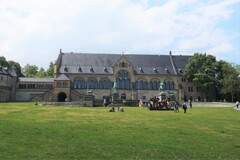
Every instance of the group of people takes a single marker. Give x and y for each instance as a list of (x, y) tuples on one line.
[(156, 103), (119, 109), (184, 106)]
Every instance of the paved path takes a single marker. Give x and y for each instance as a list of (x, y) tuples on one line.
[(215, 104), (212, 104)]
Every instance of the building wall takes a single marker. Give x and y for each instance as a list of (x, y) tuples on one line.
[(7, 87)]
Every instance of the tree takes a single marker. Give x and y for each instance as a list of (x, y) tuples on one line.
[(3, 62), (30, 70), (50, 71), (220, 65), (230, 81), (201, 70), (41, 73), (17, 67)]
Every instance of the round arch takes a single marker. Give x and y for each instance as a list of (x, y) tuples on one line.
[(62, 97)]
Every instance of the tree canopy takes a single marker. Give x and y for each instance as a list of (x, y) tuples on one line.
[(208, 73), (3, 62), (201, 70), (30, 70)]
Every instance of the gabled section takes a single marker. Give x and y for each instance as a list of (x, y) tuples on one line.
[(62, 77), (123, 62)]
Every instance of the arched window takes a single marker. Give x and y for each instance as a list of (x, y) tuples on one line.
[(123, 81), (150, 85), (122, 84), (96, 84), (88, 85), (100, 84), (83, 84), (75, 84), (145, 86), (141, 85), (168, 85), (91, 84), (127, 83), (122, 64), (122, 74), (78, 84), (137, 85), (118, 83), (172, 86), (104, 84), (155, 85), (158, 85), (109, 84)]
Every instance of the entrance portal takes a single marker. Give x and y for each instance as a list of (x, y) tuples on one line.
[(61, 97)]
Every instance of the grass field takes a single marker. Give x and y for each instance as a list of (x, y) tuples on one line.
[(36, 132)]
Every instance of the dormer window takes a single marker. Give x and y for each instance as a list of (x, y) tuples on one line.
[(166, 70), (123, 65), (180, 70), (155, 70), (65, 69), (141, 70), (105, 69), (79, 69), (91, 69)]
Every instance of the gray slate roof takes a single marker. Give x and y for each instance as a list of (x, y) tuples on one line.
[(43, 80), (103, 63)]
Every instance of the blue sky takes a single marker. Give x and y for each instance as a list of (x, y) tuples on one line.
[(33, 32)]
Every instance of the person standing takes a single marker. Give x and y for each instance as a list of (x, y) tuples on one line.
[(190, 103), (237, 104), (176, 107), (184, 107)]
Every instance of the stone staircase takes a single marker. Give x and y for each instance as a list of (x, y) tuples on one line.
[(44, 97)]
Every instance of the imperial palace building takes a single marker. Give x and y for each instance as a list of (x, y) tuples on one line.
[(137, 76)]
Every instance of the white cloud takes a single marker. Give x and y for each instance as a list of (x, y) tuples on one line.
[(34, 31)]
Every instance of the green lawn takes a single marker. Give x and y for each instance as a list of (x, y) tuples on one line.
[(36, 132)]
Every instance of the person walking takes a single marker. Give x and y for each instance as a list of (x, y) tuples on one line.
[(184, 107), (190, 103)]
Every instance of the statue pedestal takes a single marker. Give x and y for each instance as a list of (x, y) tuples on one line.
[(114, 98)]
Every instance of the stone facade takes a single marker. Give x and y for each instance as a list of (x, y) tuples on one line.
[(77, 74), (8, 80)]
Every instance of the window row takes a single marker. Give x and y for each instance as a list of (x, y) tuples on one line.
[(35, 86), (62, 85), (122, 74), (92, 84), (153, 85)]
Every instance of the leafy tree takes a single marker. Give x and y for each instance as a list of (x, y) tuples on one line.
[(50, 71), (219, 69), (231, 80), (201, 70), (30, 70), (3, 62), (17, 67), (41, 73)]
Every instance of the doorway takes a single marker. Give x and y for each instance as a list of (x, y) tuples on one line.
[(62, 97)]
